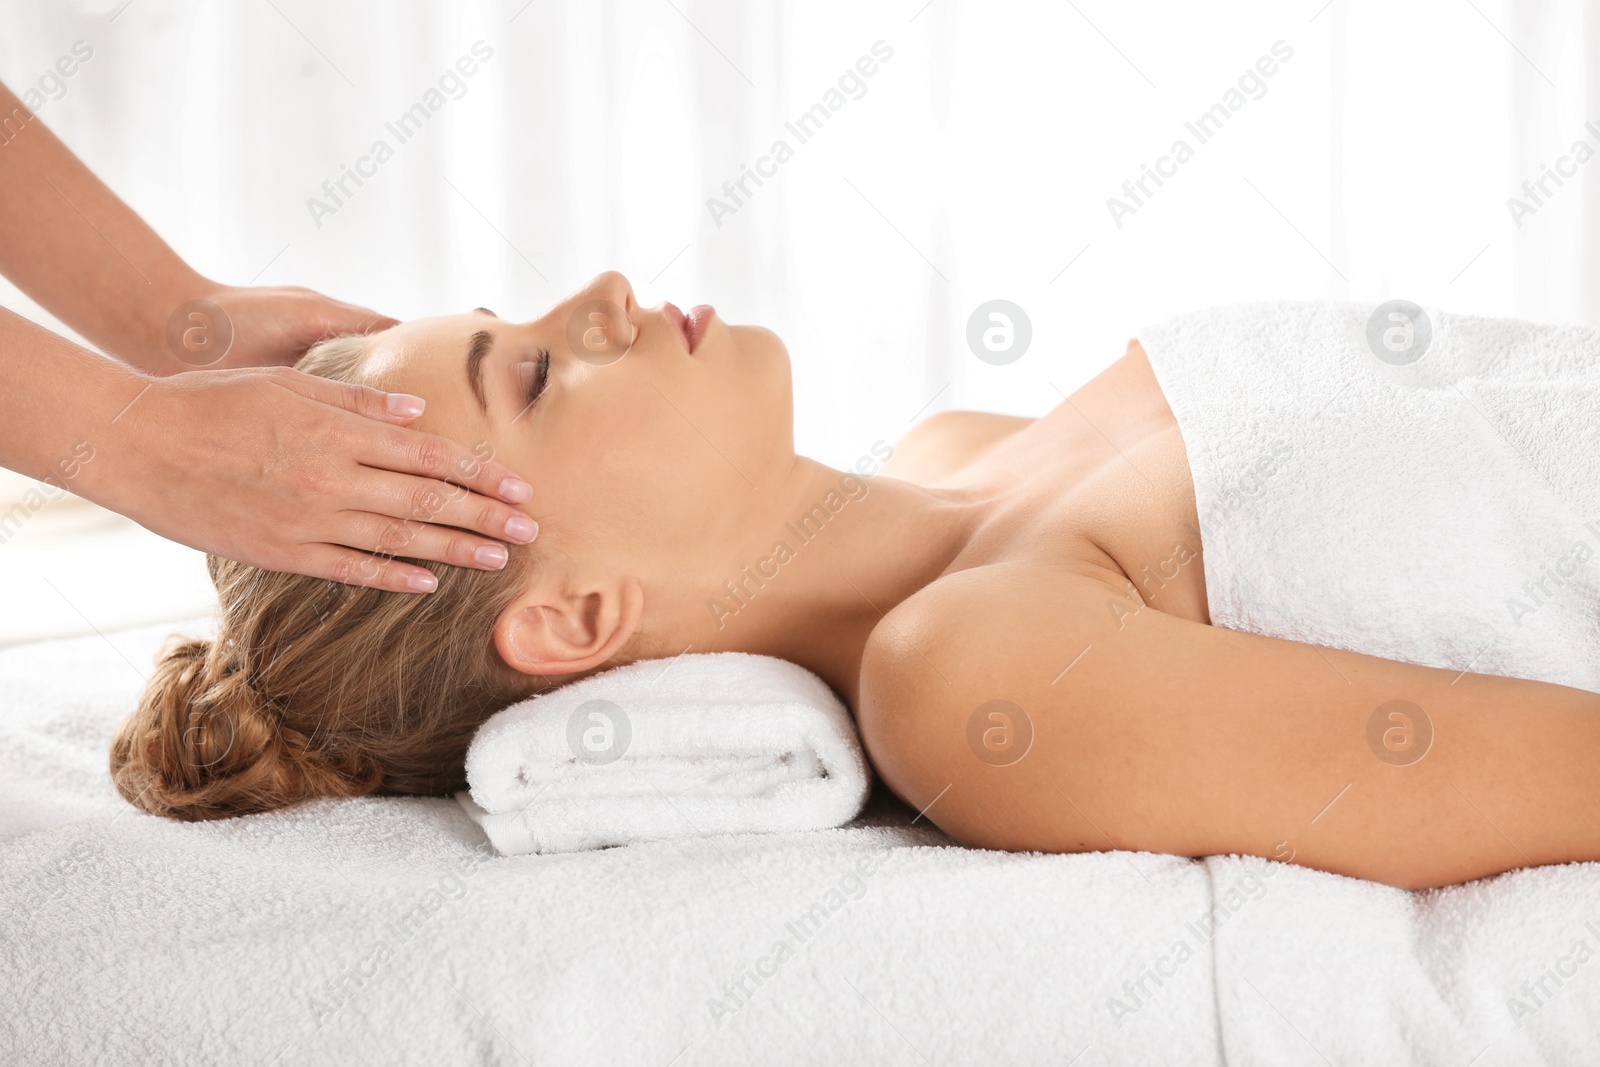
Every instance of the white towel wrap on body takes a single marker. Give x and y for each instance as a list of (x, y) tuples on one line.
[(1443, 511)]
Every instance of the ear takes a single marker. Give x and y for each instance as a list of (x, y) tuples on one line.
[(547, 632)]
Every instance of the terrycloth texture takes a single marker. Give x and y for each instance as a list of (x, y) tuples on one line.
[(717, 743), (385, 930), (1445, 512), (1501, 972)]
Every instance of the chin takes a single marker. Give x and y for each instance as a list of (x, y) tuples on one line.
[(761, 344), (765, 360), (758, 340)]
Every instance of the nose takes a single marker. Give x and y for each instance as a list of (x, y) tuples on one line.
[(611, 285), (598, 319)]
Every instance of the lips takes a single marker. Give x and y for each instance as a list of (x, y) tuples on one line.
[(694, 325), (700, 318)]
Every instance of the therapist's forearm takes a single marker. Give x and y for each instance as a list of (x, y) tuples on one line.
[(60, 406), (69, 243)]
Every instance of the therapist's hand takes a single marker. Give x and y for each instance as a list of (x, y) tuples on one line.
[(291, 472), (260, 326)]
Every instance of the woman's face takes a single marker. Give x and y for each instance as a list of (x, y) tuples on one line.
[(634, 444)]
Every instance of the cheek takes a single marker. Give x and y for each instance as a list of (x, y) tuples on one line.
[(633, 459)]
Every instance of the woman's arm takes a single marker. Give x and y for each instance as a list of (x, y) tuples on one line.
[(86, 257), (1152, 733)]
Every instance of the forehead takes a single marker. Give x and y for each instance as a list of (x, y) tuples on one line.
[(428, 358), (421, 351)]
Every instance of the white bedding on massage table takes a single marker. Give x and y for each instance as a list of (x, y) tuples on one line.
[(133, 939)]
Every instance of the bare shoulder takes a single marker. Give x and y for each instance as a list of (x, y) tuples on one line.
[(946, 441), (1027, 707), (1000, 633)]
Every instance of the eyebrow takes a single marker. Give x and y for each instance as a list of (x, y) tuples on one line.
[(485, 311), (482, 341)]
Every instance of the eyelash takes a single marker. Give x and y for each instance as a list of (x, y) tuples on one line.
[(541, 378)]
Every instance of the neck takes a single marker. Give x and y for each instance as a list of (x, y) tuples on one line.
[(818, 566)]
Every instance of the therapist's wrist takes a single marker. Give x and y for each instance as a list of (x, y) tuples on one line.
[(135, 437), (172, 324), (96, 434)]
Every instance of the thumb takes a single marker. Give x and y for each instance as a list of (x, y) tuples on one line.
[(398, 408), (340, 319)]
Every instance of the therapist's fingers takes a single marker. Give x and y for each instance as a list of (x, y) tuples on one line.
[(431, 456), (335, 318), (424, 540), (350, 567), (285, 472), (413, 452), (275, 325), (399, 498), (363, 400)]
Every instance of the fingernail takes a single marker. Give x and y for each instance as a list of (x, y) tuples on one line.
[(490, 556), (521, 529), (405, 405), (515, 491), (422, 583)]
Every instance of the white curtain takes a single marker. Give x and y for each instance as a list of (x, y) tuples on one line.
[(975, 162)]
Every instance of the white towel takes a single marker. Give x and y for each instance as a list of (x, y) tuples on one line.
[(385, 929), (702, 744), (1442, 511)]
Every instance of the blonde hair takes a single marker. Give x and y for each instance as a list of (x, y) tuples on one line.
[(315, 688)]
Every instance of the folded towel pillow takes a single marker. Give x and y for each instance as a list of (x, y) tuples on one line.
[(706, 743)]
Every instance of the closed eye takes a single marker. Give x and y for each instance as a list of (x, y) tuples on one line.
[(533, 375)]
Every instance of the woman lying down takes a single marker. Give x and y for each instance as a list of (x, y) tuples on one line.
[(1384, 664)]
